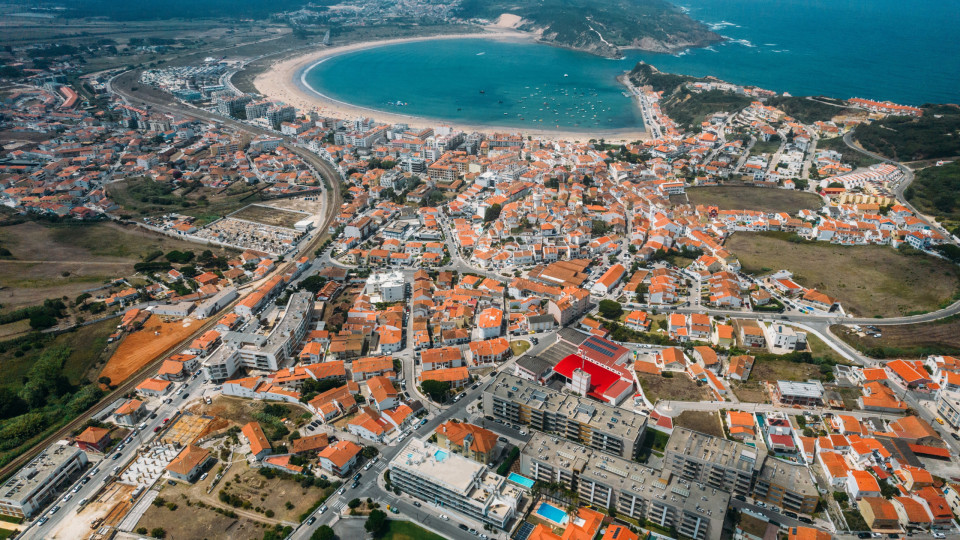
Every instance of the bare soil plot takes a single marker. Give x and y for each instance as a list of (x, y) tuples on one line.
[(269, 215), (676, 388), (145, 345), (144, 197), (907, 340), (868, 280), (187, 522), (750, 391), (703, 421), (753, 198), (782, 370)]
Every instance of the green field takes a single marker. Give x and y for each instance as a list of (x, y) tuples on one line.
[(406, 530), (868, 280), (753, 198)]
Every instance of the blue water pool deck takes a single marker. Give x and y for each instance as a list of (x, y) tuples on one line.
[(552, 513), (520, 480), (440, 455)]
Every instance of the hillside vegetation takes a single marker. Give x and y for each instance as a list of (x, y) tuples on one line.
[(600, 26), (936, 190), (685, 107), (934, 135)]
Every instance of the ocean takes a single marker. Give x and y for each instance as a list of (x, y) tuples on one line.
[(878, 49)]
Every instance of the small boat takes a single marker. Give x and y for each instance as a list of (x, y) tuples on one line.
[(565, 75), (483, 91)]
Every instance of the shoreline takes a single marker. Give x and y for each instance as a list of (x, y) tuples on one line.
[(284, 81)]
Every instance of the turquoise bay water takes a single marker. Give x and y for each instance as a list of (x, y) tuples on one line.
[(908, 52), (478, 81)]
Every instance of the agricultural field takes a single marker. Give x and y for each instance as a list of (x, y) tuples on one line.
[(56, 260), (269, 215), (906, 340), (753, 198), (869, 280), (676, 388)]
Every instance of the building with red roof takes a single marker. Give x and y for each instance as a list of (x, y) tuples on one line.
[(594, 380)]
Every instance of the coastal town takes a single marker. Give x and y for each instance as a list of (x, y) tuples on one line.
[(485, 333)]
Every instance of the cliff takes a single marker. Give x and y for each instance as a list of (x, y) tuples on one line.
[(601, 27)]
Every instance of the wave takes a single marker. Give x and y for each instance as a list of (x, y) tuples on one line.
[(721, 25), (710, 48), (744, 42)]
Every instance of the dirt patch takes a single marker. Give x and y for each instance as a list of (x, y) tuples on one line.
[(750, 392), (868, 280), (268, 215), (703, 421), (783, 370), (753, 198), (145, 345), (195, 522), (676, 388)]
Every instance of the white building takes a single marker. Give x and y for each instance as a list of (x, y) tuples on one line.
[(454, 482), (39, 482), (388, 286), (785, 337)]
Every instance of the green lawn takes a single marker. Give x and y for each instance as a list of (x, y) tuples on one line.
[(405, 530), (519, 347)]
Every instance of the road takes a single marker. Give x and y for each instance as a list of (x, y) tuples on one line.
[(901, 187), (101, 468)]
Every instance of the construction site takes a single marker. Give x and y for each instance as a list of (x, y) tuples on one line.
[(145, 345)]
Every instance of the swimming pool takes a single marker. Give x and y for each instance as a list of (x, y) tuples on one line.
[(440, 455), (552, 513), (520, 480)]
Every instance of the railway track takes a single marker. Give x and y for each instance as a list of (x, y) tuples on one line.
[(334, 201)]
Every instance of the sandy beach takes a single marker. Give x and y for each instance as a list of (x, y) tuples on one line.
[(284, 82)]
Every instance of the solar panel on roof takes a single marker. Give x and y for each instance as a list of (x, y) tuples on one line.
[(599, 348)]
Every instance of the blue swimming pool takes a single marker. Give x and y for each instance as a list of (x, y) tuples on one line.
[(440, 455), (520, 480), (552, 513)]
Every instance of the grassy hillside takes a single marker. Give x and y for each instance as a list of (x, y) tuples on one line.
[(686, 108), (936, 190), (810, 109), (934, 135), (655, 25)]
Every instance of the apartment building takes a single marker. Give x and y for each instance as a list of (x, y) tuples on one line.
[(696, 511), (39, 483), (787, 485), (267, 352), (726, 465), (597, 425), (454, 482)]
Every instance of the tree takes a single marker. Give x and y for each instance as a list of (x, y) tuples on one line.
[(354, 503), (491, 213), (313, 283), (376, 523), (610, 309), (370, 452), (437, 390), (324, 532), (158, 532)]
